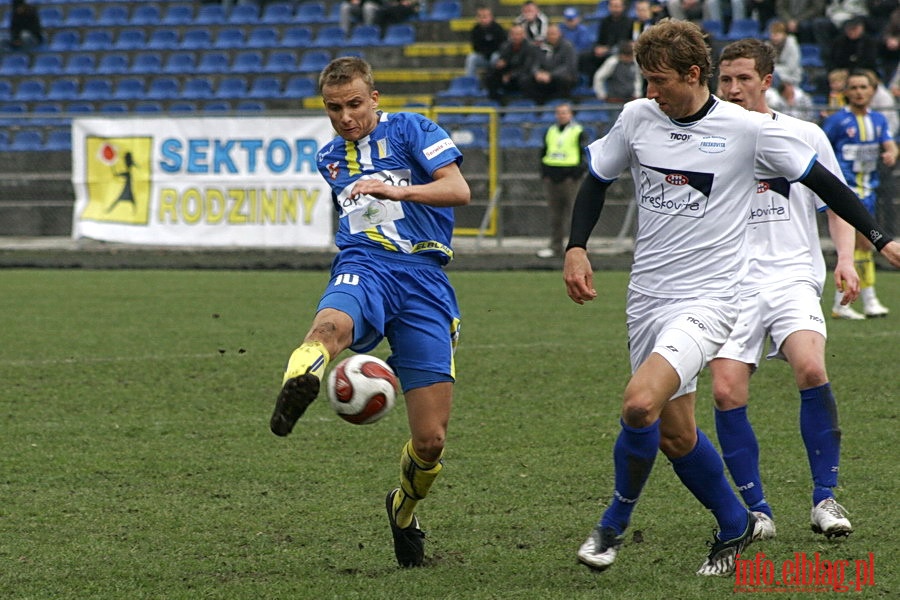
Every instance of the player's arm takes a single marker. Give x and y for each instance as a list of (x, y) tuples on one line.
[(889, 153), (846, 279), (577, 271), (844, 202), (449, 188)]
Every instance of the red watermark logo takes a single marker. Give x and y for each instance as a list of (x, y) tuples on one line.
[(803, 574)]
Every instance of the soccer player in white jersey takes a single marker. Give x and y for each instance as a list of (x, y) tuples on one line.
[(395, 179), (781, 298), (695, 161)]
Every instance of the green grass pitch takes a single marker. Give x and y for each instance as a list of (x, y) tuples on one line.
[(136, 461)]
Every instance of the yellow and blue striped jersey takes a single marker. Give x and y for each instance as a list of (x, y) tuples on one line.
[(857, 144)]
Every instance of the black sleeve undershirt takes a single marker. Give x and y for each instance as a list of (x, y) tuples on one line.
[(844, 203), (586, 210)]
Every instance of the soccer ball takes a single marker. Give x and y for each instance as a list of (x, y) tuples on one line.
[(362, 389)]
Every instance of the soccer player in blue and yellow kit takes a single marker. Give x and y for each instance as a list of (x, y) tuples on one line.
[(395, 179), (861, 137)]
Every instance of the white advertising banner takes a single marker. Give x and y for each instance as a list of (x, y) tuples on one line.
[(210, 181)]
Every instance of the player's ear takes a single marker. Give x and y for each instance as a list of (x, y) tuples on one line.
[(374, 97)]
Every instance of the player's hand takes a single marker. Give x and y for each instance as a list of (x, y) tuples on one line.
[(889, 158), (579, 276), (374, 188), (846, 279), (891, 252)]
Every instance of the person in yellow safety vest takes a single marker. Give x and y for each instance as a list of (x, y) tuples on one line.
[(563, 163)]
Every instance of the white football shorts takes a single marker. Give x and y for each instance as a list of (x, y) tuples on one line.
[(775, 312), (686, 332)]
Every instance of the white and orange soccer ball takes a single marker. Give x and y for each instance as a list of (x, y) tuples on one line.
[(362, 389)]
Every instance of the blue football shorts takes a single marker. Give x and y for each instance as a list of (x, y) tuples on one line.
[(406, 299)]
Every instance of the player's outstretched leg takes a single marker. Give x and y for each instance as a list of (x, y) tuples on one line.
[(299, 387)]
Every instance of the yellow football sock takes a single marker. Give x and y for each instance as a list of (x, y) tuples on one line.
[(416, 477), (865, 267), (310, 355)]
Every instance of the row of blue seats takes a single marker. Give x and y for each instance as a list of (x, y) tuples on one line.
[(275, 13), (174, 63), (163, 38), (158, 88), (34, 140)]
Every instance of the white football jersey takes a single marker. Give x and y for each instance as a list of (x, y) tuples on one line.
[(783, 238), (693, 186)]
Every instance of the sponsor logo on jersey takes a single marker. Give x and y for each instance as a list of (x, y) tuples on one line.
[(333, 169), (676, 179), (681, 137), (437, 148), (712, 144)]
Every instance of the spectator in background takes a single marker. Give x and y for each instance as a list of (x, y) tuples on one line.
[(883, 102), (644, 17), (358, 11), (805, 19), (534, 21), (889, 45), (614, 28), (788, 97), (575, 31), (515, 63), (396, 11), (557, 69), (787, 51), (695, 10), (765, 11), (619, 79), (854, 48), (486, 37), (24, 20), (563, 164), (837, 80)]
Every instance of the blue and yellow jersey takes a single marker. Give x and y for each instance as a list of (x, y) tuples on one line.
[(404, 149), (857, 144)]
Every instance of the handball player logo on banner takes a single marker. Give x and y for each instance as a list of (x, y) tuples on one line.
[(118, 180)]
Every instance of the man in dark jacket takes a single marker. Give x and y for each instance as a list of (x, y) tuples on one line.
[(25, 18), (514, 66), (486, 37), (557, 71)]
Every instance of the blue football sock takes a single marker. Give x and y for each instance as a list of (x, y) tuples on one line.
[(740, 450), (633, 456), (822, 438), (701, 471)]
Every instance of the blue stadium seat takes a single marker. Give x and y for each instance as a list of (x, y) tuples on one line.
[(197, 88), (399, 34), (80, 64), (46, 114), (131, 39), (79, 108), (443, 10), (15, 64), (113, 108), (30, 90), (329, 36), (163, 88), (113, 64), (113, 15), (214, 62), (147, 14), (26, 140), (210, 14), (462, 86), (314, 61), (262, 37), (250, 106), (66, 40), (280, 61), (58, 140), (63, 90), (277, 13), (196, 39), (97, 40), (148, 107), (183, 106), (6, 89), (216, 106), (163, 38), (811, 56), (178, 14), (743, 28), (47, 64), (96, 89), (129, 88), (313, 12), (364, 35), (180, 62), (232, 88), (11, 113), (512, 136), (80, 16), (297, 37), (714, 27), (244, 14), (51, 16), (299, 87), (470, 136), (265, 88), (250, 61), (146, 63), (230, 37)]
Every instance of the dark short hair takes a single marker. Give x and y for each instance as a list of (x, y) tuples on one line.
[(676, 45), (762, 53)]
